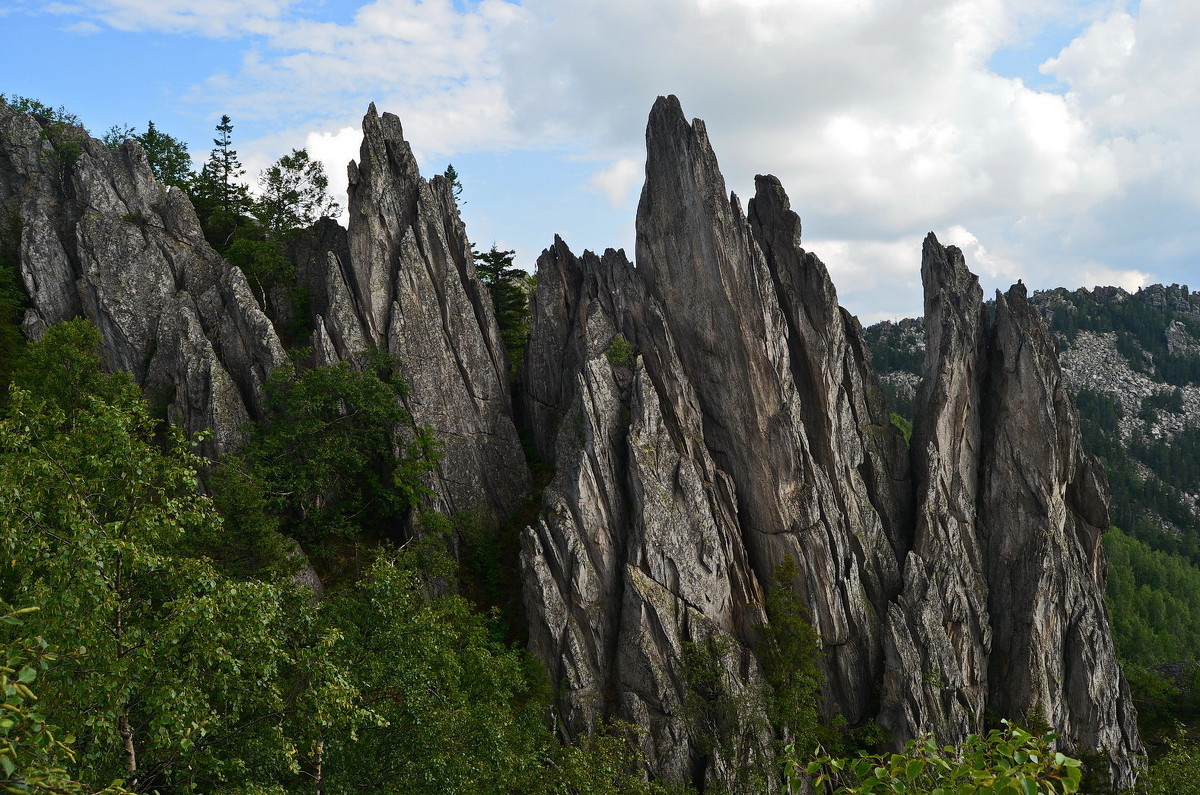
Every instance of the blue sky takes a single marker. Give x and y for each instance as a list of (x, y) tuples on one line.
[(1052, 140)]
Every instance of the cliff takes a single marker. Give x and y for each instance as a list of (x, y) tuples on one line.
[(709, 412)]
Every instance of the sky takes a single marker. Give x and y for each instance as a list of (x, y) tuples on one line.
[(1054, 141)]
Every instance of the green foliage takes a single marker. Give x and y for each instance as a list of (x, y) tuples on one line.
[(456, 188), (789, 649), (620, 352), (60, 127), (13, 299), (161, 646), (178, 671), (508, 287), (325, 458), (1153, 602), (59, 115), (220, 197), (721, 716), (1008, 761), (34, 755), (168, 156), (295, 193), (443, 694), (1175, 772), (904, 425)]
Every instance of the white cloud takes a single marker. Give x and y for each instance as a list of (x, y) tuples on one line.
[(882, 119), (83, 28), (218, 18), (618, 182), (1096, 275)]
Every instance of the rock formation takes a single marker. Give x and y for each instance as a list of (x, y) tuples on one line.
[(708, 413), (929, 594), (1043, 506), (101, 238), (410, 284), (937, 633)]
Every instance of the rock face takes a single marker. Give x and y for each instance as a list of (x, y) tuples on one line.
[(409, 287), (937, 633), (713, 411), (747, 427), (1002, 607), (101, 238), (1043, 507), (709, 414)]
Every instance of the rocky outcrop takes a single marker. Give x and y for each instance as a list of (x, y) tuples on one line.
[(713, 411), (937, 632), (1043, 507), (101, 238), (413, 280), (709, 413), (781, 391), (637, 555)]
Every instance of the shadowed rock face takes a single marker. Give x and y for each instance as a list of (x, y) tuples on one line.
[(781, 393), (101, 238), (1043, 507), (937, 633), (749, 426)]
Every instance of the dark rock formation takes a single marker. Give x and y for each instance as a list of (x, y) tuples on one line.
[(637, 552), (746, 426), (937, 633), (1043, 506), (101, 238), (781, 394), (414, 289)]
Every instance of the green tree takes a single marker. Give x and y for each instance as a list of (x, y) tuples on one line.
[(34, 754), (326, 456), (451, 175), (59, 115), (221, 198), (295, 193), (790, 651), (175, 675), (1008, 761), (168, 156), (508, 287)]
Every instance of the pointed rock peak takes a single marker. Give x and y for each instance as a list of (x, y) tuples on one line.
[(944, 268), (385, 127), (670, 139), (771, 208), (1018, 295), (667, 113)]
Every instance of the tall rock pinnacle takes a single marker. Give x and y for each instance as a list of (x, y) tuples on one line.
[(1043, 507), (412, 277), (795, 451), (713, 411)]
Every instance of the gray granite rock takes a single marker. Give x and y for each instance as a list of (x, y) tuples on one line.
[(101, 238)]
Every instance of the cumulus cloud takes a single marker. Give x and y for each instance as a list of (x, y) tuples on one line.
[(618, 181), (882, 119), (1096, 275)]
